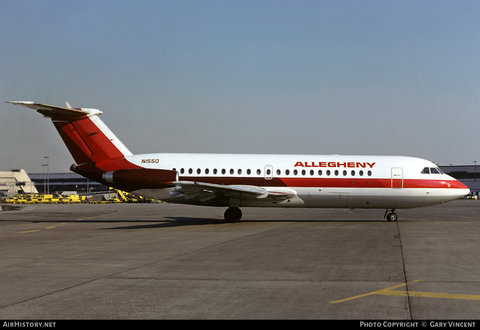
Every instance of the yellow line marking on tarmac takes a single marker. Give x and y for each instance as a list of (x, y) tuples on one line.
[(391, 292), (96, 216), (31, 231), (28, 231), (433, 295), (372, 293), (64, 223)]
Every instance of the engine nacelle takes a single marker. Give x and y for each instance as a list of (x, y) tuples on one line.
[(142, 178)]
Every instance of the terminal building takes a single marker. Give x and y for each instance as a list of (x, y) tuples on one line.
[(60, 182), (16, 182), (19, 182)]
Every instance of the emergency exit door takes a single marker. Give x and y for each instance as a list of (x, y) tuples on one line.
[(268, 172)]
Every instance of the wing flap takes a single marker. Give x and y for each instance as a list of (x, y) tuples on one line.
[(191, 189)]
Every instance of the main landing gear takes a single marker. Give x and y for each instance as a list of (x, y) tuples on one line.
[(392, 216), (232, 214)]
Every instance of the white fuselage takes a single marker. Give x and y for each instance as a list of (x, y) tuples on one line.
[(321, 181), (335, 181)]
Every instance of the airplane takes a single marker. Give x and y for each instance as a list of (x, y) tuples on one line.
[(249, 180)]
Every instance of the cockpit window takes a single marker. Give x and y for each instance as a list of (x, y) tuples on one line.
[(436, 170), (432, 170)]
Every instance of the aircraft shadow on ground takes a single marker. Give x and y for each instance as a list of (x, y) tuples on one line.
[(188, 221)]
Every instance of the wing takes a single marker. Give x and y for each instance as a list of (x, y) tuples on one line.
[(208, 193)]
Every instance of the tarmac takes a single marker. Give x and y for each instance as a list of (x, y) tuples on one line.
[(166, 261)]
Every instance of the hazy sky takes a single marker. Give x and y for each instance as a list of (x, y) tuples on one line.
[(305, 77)]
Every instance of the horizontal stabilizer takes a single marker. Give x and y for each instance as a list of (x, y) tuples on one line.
[(54, 111)]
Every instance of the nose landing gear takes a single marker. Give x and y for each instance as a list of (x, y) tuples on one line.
[(392, 216)]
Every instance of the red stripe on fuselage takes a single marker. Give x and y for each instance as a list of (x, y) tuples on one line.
[(328, 182), (371, 183)]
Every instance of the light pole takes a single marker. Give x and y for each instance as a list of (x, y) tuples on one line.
[(44, 179), (48, 175), (475, 169)]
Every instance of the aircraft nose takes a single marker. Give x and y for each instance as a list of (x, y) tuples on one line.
[(462, 188)]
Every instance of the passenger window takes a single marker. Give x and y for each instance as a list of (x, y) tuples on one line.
[(182, 171), (287, 172), (295, 172), (232, 171), (199, 171), (215, 171), (320, 172), (223, 171), (259, 172), (239, 171), (328, 172), (303, 172), (344, 173), (312, 172), (190, 171), (361, 173), (279, 172), (249, 172), (207, 171), (353, 173), (369, 173), (336, 172)]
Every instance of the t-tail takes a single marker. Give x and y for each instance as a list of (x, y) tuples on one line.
[(99, 155)]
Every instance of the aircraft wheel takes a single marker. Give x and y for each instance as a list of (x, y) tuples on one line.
[(233, 214), (392, 217)]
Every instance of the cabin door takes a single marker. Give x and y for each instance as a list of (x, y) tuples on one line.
[(397, 177)]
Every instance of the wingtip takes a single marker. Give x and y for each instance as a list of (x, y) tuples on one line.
[(20, 102)]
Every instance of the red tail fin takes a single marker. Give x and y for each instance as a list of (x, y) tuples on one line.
[(87, 138)]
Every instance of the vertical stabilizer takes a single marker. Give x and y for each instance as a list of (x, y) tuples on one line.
[(87, 138)]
